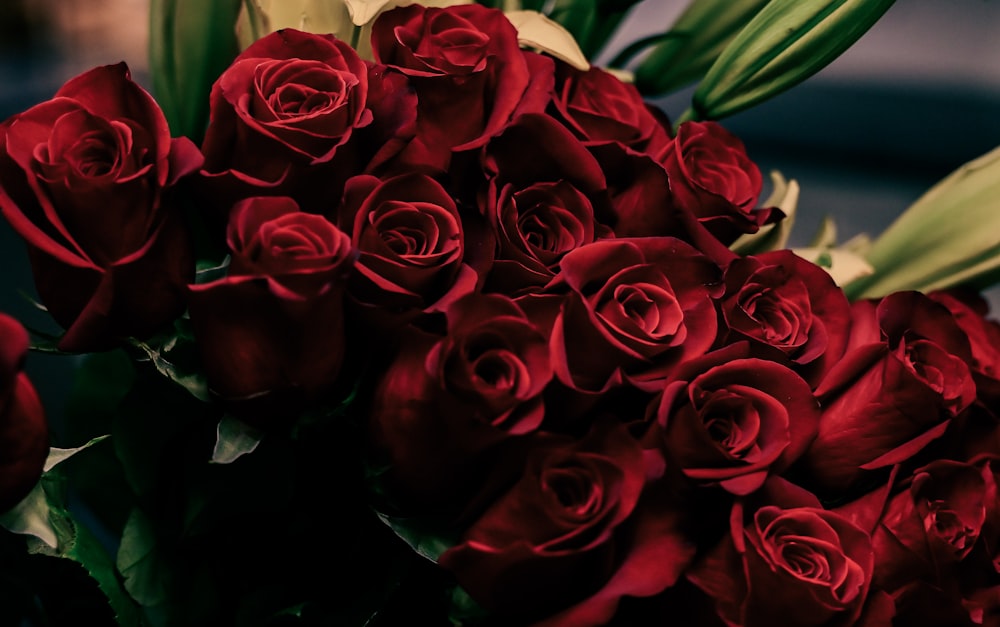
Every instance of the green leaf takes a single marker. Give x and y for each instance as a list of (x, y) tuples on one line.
[(426, 537), (234, 438), (161, 355), (142, 562), (59, 455)]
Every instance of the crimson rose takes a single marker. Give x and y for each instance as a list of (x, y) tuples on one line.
[(271, 334), (788, 307), (712, 177), (83, 179), (633, 310), (730, 421), (24, 433), (787, 561), (572, 536), (470, 75), (282, 114), (903, 379)]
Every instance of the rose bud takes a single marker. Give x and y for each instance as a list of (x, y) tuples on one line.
[(787, 561), (445, 402), (412, 247), (573, 535), (896, 390), (83, 179), (789, 309), (24, 433), (271, 333), (712, 177), (731, 421), (281, 118), (470, 75), (633, 310)]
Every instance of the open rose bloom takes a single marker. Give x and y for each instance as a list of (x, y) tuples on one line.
[(452, 329)]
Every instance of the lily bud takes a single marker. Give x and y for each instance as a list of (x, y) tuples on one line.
[(949, 236), (685, 52), (785, 43)]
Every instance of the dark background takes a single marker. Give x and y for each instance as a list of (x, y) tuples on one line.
[(918, 96)]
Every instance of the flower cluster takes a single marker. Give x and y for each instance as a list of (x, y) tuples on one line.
[(563, 368)]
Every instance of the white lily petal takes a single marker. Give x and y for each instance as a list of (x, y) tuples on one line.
[(625, 76), (785, 196), (534, 30), (362, 11), (844, 266)]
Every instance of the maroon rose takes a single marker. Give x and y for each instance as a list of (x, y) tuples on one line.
[(470, 75), (83, 179), (933, 524), (545, 196), (24, 433), (896, 390), (412, 246), (281, 116), (599, 108), (787, 561), (731, 421), (970, 311), (712, 177), (633, 310), (572, 536), (446, 403), (271, 334), (789, 307)]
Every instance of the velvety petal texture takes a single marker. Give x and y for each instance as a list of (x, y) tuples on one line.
[(85, 179)]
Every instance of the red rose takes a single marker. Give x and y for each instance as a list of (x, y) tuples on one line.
[(787, 561), (970, 311), (271, 334), (712, 177), (572, 536), (281, 115), (600, 108), (634, 309), (931, 526), (789, 307), (895, 391), (544, 197), (82, 180), (445, 402), (411, 243), (470, 74), (24, 433), (730, 421)]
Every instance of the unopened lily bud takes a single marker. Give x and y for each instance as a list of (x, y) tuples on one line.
[(685, 52), (950, 236), (785, 43)]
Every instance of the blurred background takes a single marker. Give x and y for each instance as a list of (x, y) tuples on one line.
[(915, 98)]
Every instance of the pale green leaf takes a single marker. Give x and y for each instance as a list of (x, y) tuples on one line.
[(31, 517), (234, 439), (844, 266), (58, 455), (785, 196)]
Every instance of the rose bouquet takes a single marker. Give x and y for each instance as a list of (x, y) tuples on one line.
[(434, 322)]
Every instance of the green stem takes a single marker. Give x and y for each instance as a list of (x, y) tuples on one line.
[(355, 36)]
